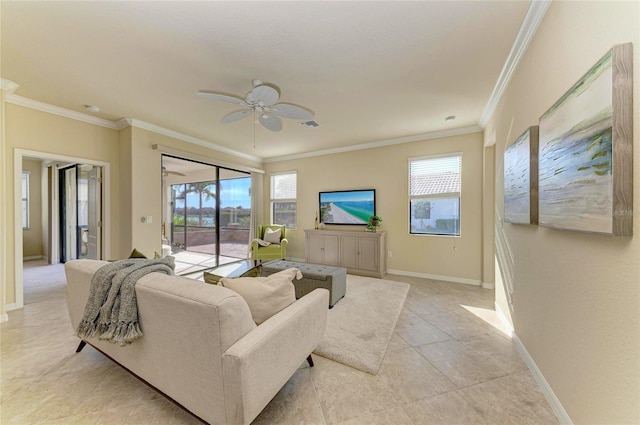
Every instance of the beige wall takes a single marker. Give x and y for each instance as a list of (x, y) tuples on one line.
[(576, 296), (33, 130), (145, 195), (386, 170), (135, 175), (124, 217), (4, 212), (488, 213), (32, 242)]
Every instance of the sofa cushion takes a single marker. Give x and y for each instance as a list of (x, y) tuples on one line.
[(272, 236), (265, 295)]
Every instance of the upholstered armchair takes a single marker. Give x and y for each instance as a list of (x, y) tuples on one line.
[(277, 250)]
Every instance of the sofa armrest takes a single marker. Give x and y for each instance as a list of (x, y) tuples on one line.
[(257, 366), (283, 243)]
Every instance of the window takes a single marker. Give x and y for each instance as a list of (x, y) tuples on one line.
[(283, 199), (25, 199), (434, 195)]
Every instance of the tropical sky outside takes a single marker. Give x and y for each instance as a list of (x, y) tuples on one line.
[(233, 193)]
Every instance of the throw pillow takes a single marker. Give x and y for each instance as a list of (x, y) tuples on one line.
[(136, 254), (265, 295), (214, 279), (272, 236)]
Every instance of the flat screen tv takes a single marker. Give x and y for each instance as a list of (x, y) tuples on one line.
[(347, 206)]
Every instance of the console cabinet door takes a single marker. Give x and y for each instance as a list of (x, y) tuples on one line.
[(315, 249), (323, 249), (331, 250), (359, 252), (368, 254), (349, 252)]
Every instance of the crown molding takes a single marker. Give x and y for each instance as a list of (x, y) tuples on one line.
[(123, 123), (118, 125), (8, 86), (380, 143), (57, 110), (133, 122), (530, 24)]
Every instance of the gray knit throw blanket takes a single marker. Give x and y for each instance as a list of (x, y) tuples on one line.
[(111, 313)]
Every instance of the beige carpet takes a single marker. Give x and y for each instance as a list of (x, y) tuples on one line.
[(359, 326)]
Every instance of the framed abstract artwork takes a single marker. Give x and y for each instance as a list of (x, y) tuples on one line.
[(585, 151), (521, 179)]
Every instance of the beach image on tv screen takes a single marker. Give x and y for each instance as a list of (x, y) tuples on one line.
[(346, 207)]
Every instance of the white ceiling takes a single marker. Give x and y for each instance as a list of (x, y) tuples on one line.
[(370, 71)]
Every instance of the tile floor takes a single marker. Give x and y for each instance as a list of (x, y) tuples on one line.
[(448, 363), (201, 257)]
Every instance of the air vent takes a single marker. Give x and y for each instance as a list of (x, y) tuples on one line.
[(310, 124)]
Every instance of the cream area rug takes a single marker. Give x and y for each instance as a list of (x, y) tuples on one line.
[(360, 325)]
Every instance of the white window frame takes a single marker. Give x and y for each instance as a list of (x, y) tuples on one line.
[(273, 200), (25, 199), (439, 195)]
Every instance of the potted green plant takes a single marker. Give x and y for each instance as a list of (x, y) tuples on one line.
[(374, 223)]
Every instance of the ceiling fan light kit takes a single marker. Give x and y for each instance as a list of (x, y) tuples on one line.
[(261, 101)]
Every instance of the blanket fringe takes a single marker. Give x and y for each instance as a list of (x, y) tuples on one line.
[(106, 331), (86, 329), (126, 333), (111, 312)]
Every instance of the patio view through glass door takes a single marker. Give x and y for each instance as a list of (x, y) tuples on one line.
[(207, 214)]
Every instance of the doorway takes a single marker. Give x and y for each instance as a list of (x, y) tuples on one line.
[(206, 214), (51, 235)]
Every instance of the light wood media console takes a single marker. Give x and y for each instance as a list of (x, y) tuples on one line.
[(361, 253)]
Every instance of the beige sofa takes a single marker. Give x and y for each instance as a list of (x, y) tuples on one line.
[(200, 346)]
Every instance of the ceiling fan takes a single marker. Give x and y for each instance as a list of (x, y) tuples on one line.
[(261, 101)]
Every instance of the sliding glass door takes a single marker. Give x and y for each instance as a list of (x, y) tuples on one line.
[(235, 214), (80, 195), (207, 214)]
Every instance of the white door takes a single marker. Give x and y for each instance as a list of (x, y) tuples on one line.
[(94, 224)]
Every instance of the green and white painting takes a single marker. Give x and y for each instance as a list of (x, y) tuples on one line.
[(521, 179), (575, 156)]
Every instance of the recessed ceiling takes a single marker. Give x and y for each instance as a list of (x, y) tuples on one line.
[(370, 71)]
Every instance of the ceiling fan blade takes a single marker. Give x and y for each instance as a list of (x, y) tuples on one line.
[(265, 94), (175, 173), (221, 96), (287, 110), (271, 122), (236, 116), (166, 172)]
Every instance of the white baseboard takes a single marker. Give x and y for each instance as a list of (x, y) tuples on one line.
[(11, 307), (504, 319), (554, 402), (436, 277), (33, 257), (488, 285), (4, 318)]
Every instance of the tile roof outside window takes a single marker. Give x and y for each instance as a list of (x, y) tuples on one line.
[(429, 184)]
